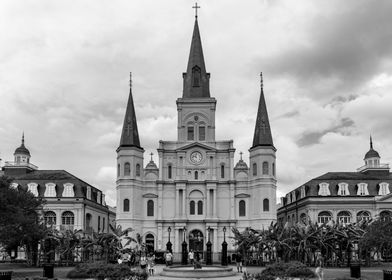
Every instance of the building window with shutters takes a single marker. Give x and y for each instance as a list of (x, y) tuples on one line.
[(343, 189), (362, 189)]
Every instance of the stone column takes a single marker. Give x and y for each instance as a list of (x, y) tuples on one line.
[(177, 203), (176, 240), (214, 203), (208, 204), (183, 203)]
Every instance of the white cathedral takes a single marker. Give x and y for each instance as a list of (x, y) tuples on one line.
[(197, 193)]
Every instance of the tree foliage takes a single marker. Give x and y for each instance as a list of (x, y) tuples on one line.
[(20, 220)]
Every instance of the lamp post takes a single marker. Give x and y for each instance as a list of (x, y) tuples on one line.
[(355, 264), (169, 244), (224, 248), (184, 259), (209, 251)]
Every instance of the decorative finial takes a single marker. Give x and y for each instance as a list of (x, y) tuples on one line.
[(261, 80), (196, 7), (23, 138), (371, 142), (130, 79), (151, 155), (241, 155)]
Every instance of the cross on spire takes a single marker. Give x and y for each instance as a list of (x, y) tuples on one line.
[(151, 155), (196, 7), (241, 155)]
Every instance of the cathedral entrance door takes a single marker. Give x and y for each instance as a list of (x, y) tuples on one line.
[(196, 243)]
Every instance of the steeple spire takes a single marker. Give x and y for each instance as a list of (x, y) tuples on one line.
[(23, 138), (371, 142), (262, 135), (196, 78), (130, 135)]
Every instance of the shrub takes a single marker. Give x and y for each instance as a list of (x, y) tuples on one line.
[(291, 269), (112, 271)]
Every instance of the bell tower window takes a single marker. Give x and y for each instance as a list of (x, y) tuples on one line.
[(191, 132), (196, 76), (202, 133)]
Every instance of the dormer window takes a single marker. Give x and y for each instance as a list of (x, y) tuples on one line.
[(384, 189), (68, 190), (33, 188), (88, 194), (196, 76), (324, 189), (50, 190), (98, 197), (303, 192), (362, 189), (343, 189)]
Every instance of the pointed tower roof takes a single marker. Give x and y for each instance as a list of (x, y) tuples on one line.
[(196, 78), (263, 135), (130, 135), (371, 153), (22, 149)]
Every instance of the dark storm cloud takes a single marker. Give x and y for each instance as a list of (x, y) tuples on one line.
[(345, 48), (311, 138)]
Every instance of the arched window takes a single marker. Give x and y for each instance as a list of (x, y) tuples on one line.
[(126, 205), (344, 217), (324, 217), (363, 216), (196, 76), (169, 171), (242, 210), (68, 190), (196, 175), (118, 170), (150, 208), (192, 208), (150, 242), (385, 215), (50, 218), (88, 222), (222, 171), (265, 168), (67, 218), (266, 205), (138, 170), (273, 169), (200, 207), (254, 169), (127, 169)]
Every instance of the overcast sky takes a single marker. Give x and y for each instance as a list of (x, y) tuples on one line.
[(327, 67)]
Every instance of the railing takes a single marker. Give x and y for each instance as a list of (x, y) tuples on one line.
[(373, 167), (12, 163)]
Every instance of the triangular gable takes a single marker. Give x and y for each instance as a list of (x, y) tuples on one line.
[(242, 195), (196, 144)]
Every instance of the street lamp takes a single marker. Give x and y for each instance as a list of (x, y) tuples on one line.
[(169, 244), (224, 248), (209, 251), (184, 260)]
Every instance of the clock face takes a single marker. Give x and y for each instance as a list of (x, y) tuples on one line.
[(196, 157)]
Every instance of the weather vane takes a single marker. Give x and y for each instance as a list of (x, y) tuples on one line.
[(196, 7)]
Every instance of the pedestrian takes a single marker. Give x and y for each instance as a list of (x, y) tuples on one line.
[(143, 262), (319, 270), (191, 256), (151, 263), (238, 260), (168, 258)]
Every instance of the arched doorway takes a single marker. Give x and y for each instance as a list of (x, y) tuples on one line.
[(150, 243), (196, 243)]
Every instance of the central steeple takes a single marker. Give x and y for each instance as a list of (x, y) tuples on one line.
[(196, 78)]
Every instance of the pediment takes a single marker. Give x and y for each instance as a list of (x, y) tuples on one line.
[(242, 195), (150, 195), (196, 144)]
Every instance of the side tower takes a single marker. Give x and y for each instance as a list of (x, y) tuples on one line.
[(262, 177), (129, 172)]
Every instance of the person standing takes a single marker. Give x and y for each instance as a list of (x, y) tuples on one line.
[(151, 263), (168, 258), (238, 260), (191, 256)]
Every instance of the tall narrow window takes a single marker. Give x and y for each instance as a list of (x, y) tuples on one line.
[(118, 170), (192, 208), (196, 175), (242, 210), (126, 205), (169, 171), (254, 169), (99, 223), (202, 133), (222, 171), (273, 169), (200, 207), (103, 224), (362, 189), (127, 169), (265, 168), (266, 205), (191, 133), (196, 76), (150, 208), (138, 170)]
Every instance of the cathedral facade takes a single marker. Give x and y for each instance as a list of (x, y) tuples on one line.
[(197, 194)]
